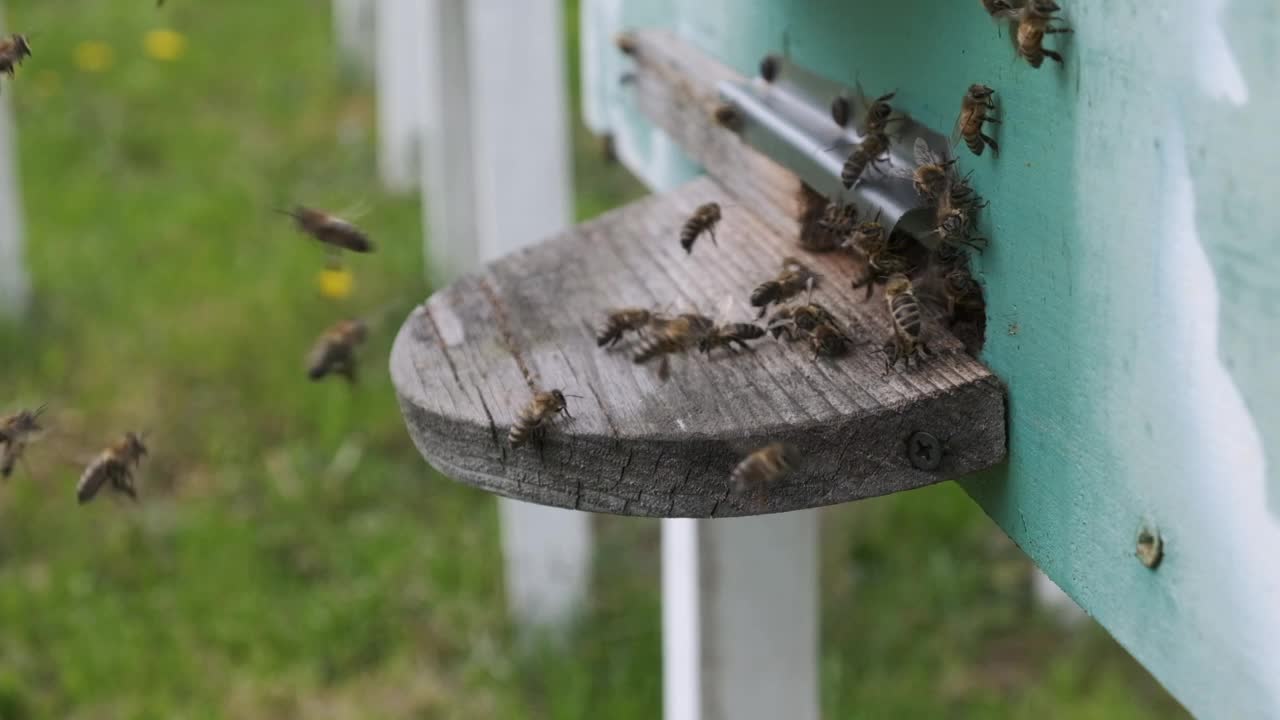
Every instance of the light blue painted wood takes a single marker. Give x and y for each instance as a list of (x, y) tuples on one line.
[(1134, 305)]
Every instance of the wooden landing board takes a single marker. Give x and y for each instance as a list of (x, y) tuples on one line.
[(465, 362)]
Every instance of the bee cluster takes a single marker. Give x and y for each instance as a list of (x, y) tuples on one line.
[(921, 276), (334, 352)]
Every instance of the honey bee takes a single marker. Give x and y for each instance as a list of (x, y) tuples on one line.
[(828, 340), (879, 113), (961, 292), (769, 67), (624, 320), (824, 224), (760, 469), (534, 417), (16, 432), (974, 111), (904, 311), (330, 230), (841, 111), (13, 50), (335, 351), (798, 321), (933, 176), (870, 239), (795, 278), (626, 43), (704, 219), (1034, 22), (839, 219), (115, 466), (674, 336), (872, 151), (998, 8), (727, 116), (727, 336)]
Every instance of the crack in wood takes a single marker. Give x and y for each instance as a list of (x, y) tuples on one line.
[(444, 347), (493, 427), (504, 331)]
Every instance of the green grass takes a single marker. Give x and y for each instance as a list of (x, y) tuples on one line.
[(292, 556)]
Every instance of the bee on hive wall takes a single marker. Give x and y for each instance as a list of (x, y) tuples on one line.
[(975, 110), (1034, 21)]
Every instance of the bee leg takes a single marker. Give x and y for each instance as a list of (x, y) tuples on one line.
[(1060, 29), (664, 369), (711, 232), (1054, 55), (995, 148), (763, 309)]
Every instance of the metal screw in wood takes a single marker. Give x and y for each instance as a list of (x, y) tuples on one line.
[(1150, 550), (925, 451)]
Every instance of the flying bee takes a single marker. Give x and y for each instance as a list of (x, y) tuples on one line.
[(904, 311), (795, 278), (961, 292), (974, 112), (624, 320), (335, 351), (704, 219), (13, 50), (760, 469), (534, 417), (16, 431), (871, 241), (1034, 22), (872, 151), (727, 336), (828, 340), (114, 466), (673, 337), (330, 229)]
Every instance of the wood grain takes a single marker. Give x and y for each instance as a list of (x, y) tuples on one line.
[(467, 360)]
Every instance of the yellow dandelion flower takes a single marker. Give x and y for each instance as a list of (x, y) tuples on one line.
[(165, 45), (94, 56), (336, 283)]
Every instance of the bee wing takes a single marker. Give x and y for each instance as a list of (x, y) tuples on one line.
[(729, 310), (925, 155)]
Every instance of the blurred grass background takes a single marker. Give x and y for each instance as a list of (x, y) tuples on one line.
[(292, 556)]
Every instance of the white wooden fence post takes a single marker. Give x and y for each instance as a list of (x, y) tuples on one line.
[(740, 618), (354, 34), (496, 176), (14, 286), (401, 63)]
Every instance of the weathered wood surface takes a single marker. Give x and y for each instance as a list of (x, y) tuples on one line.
[(467, 360)]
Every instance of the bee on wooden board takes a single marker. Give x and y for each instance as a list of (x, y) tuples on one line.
[(673, 337), (904, 312), (13, 50), (828, 340), (871, 240), (703, 220), (535, 416), (335, 351), (760, 470), (727, 336), (619, 322), (113, 467), (16, 431), (839, 219), (974, 112), (1034, 21), (797, 321), (794, 278), (331, 230)]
